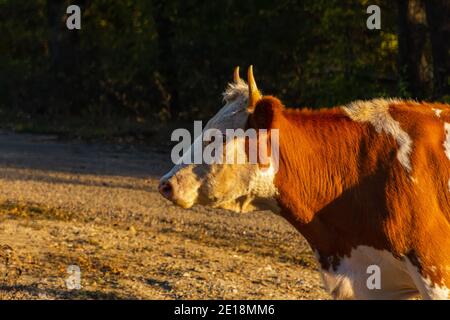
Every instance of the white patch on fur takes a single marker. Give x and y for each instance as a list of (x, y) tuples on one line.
[(427, 288), (447, 139), (235, 90), (437, 112), (234, 114), (349, 280), (237, 187), (377, 113), (262, 183), (262, 187)]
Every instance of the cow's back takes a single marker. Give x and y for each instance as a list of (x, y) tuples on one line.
[(420, 198), (428, 126)]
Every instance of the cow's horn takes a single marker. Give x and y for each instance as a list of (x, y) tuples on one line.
[(253, 93), (236, 77)]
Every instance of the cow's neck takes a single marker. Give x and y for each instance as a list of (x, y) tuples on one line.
[(320, 170)]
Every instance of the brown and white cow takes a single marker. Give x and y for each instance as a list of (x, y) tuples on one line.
[(366, 184)]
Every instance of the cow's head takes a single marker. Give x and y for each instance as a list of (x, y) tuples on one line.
[(238, 187)]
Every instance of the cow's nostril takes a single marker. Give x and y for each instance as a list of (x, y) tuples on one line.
[(165, 188)]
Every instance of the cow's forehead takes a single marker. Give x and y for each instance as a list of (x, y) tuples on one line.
[(234, 113)]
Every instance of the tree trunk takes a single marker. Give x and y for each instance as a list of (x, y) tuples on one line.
[(167, 58), (54, 15), (438, 18), (414, 60), (65, 57)]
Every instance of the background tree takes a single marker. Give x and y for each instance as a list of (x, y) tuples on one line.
[(135, 64), (164, 16), (414, 48), (438, 19)]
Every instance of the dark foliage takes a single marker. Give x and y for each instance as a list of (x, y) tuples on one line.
[(152, 61)]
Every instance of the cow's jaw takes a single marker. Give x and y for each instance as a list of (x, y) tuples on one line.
[(239, 188)]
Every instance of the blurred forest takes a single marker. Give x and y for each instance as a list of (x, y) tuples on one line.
[(140, 64)]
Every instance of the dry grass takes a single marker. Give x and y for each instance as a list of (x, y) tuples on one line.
[(98, 208)]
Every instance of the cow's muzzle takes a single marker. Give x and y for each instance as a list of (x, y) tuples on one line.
[(180, 195)]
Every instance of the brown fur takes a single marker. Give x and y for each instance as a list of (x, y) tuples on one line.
[(341, 185)]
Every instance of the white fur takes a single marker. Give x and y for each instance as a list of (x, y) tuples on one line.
[(234, 113), (235, 90), (427, 288), (349, 280), (447, 139), (262, 186), (376, 112), (437, 112), (237, 187)]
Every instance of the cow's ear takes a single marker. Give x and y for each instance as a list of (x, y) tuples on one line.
[(264, 113)]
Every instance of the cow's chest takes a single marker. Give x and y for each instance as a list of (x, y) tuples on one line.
[(369, 274)]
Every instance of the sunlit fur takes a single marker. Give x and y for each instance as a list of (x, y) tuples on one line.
[(343, 185), (236, 187), (366, 183), (376, 112)]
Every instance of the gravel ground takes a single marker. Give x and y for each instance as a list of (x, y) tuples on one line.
[(97, 207)]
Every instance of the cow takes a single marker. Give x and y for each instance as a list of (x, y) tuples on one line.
[(366, 184)]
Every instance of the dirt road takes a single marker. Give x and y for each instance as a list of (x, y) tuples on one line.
[(97, 207)]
